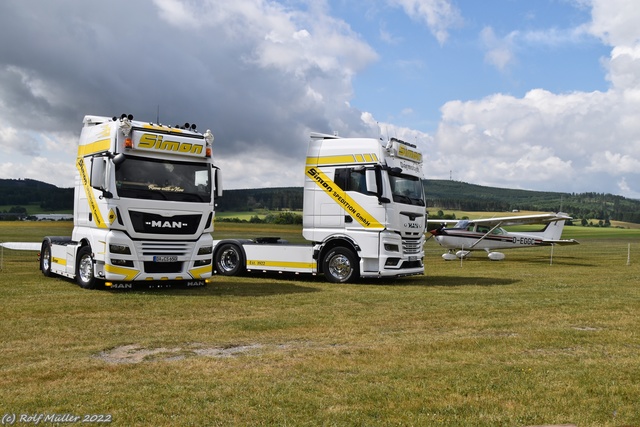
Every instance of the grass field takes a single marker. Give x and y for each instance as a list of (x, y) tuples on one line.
[(520, 342)]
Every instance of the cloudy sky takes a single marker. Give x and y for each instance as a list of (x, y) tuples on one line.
[(540, 95)]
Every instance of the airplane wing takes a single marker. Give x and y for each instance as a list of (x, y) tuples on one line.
[(22, 246), (522, 219)]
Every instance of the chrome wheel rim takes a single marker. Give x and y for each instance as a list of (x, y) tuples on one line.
[(85, 269), (46, 259), (229, 260), (340, 267)]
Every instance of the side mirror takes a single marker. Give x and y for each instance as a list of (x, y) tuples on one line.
[(217, 182)]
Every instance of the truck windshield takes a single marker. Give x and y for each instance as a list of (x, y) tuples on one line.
[(406, 189), (140, 178)]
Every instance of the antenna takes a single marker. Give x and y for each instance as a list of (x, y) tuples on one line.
[(158, 115)]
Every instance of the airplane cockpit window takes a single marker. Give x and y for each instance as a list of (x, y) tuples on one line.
[(461, 224)]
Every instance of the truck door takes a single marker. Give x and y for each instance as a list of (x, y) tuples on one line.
[(359, 198)]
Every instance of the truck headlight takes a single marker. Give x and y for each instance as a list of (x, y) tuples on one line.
[(116, 248), (391, 248)]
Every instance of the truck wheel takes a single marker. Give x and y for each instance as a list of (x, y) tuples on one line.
[(84, 269), (45, 258), (229, 260), (340, 265)]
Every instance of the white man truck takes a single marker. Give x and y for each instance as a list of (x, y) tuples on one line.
[(364, 215), (143, 207)]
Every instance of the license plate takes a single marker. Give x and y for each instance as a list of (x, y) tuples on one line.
[(413, 258), (165, 258)]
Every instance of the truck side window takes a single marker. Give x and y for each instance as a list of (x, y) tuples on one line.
[(351, 180)]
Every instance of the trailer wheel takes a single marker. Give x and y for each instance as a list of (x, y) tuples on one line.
[(340, 265), (229, 260), (84, 269), (45, 258)]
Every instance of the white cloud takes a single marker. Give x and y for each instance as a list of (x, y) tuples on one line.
[(624, 67), (541, 138), (42, 169), (439, 15), (615, 22), (262, 74), (499, 52)]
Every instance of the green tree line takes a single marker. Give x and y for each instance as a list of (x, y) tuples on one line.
[(444, 194)]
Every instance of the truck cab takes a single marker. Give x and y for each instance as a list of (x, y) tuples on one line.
[(143, 206), (364, 215), (369, 199)]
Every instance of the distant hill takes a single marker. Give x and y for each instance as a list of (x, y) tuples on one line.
[(457, 195), (24, 192), (441, 194)]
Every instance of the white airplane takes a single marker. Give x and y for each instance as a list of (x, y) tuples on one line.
[(488, 235)]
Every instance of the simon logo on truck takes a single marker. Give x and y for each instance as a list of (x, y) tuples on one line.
[(150, 141), (343, 199)]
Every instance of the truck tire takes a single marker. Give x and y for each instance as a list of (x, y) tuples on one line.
[(45, 258), (340, 265), (229, 260), (84, 269)]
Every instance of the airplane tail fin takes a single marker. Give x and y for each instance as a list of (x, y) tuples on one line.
[(553, 230)]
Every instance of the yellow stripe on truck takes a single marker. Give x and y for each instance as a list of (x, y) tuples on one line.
[(94, 147), (60, 261), (342, 198), (342, 159), (128, 273), (201, 272), (279, 264), (93, 205)]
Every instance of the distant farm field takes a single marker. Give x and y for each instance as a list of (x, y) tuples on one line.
[(543, 337)]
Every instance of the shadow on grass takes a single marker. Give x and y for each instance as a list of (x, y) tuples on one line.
[(445, 281), (258, 288), (243, 286), (570, 261)]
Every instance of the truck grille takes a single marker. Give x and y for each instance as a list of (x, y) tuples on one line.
[(411, 246), (164, 248)]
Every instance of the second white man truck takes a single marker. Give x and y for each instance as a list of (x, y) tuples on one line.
[(364, 215), (143, 206)]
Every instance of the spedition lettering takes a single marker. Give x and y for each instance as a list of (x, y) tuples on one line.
[(344, 203), (343, 199)]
